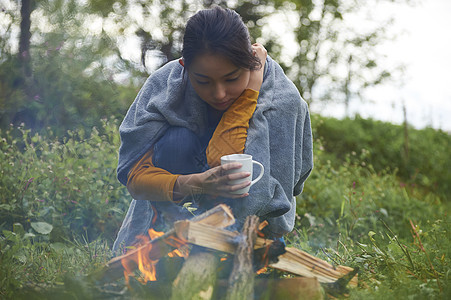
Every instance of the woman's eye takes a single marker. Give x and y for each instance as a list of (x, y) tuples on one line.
[(202, 82), (233, 79)]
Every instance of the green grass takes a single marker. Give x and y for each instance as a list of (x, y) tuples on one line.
[(61, 206), (397, 235)]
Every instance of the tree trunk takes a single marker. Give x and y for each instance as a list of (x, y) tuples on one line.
[(25, 36)]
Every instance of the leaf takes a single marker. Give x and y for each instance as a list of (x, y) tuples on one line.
[(359, 260), (42, 227), (188, 206), (18, 229), (11, 236), (20, 256), (58, 246), (6, 207), (342, 208), (29, 235)]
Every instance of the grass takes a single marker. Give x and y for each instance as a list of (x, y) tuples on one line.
[(397, 234), (61, 205)]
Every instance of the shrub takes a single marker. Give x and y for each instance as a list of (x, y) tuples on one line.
[(397, 234), (30, 266), (421, 157), (69, 183), (67, 91), (61, 205)]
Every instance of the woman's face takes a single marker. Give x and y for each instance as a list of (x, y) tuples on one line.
[(217, 80)]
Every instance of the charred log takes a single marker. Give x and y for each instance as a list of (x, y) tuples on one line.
[(268, 255)]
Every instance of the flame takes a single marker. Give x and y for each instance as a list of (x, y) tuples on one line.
[(127, 269), (181, 246), (260, 234), (147, 267), (181, 252), (154, 234), (265, 259), (155, 214), (260, 228), (262, 225), (140, 256)]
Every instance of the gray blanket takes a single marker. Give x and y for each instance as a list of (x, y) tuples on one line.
[(279, 137)]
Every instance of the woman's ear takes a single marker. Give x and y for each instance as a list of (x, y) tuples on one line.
[(181, 62)]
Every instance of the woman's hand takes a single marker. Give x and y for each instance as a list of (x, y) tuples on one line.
[(256, 76), (214, 182)]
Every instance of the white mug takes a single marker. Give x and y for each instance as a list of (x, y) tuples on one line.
[(247, 166)]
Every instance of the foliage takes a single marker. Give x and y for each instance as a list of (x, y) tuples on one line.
[(377, 198), (337, 61), (72, 81), (326, 44), (398, 235), (62, 98), (80, 69), (61, 206), (419, 157), (69, 183), (30, 265)]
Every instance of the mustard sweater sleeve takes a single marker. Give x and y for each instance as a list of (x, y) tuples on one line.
[(231, 133), (144, 178), (229, 137)]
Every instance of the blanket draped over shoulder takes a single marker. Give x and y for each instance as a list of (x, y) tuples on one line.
[(279, 136)]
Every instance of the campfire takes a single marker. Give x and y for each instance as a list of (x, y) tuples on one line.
[(207, 246)]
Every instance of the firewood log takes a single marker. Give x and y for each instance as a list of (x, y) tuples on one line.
[(241, 280), (220, 217), (197, 278)]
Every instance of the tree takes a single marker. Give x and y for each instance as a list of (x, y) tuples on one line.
[(82, 68), (336, 61), (25, 35), (68, 67), (160, 24)]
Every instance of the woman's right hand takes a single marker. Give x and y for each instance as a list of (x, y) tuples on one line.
[(214, 182)]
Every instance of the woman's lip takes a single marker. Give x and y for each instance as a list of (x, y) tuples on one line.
[(222, 104)]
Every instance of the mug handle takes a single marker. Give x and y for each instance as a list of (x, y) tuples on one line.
[(262, 170)]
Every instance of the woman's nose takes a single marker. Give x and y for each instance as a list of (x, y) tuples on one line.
[(219, 92)]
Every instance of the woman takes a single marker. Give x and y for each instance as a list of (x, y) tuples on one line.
[(224, 96)]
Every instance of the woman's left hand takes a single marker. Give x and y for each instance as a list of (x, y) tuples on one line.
[(256, 76)]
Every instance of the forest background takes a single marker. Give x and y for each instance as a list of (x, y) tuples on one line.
[(377, 199)]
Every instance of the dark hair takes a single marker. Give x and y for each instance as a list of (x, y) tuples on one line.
[(219, 31)]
